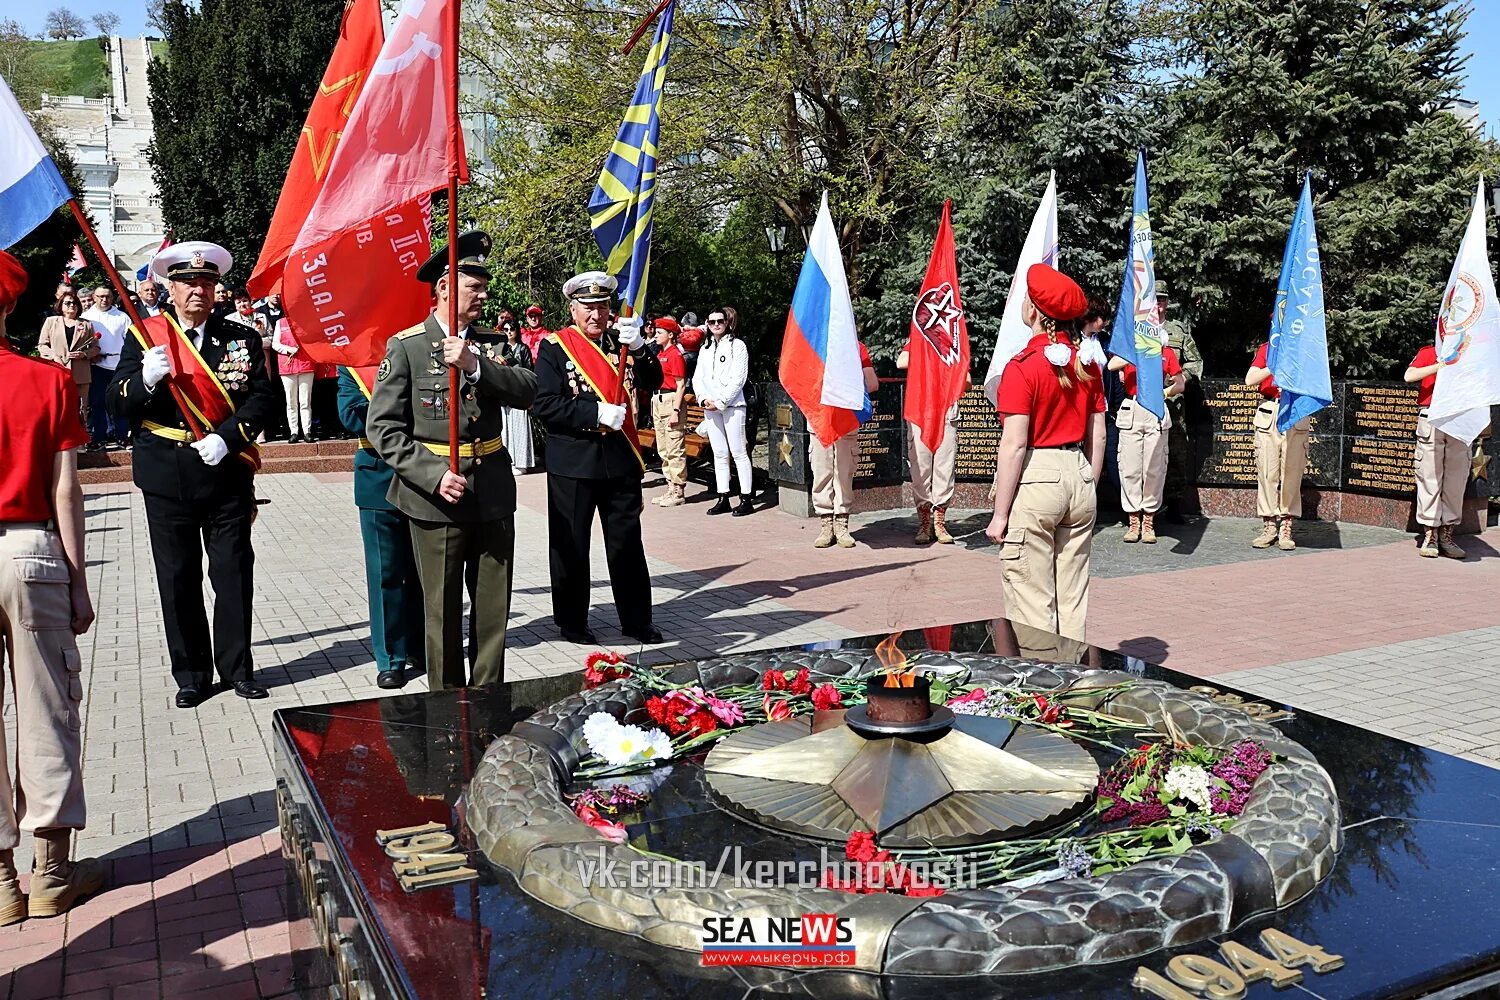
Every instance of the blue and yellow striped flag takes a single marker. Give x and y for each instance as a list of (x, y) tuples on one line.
[(620, 208)]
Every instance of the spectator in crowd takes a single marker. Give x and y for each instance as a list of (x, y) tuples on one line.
[(57, 294), (110, 326), (244, 310), (690, 341), (297, 375), (44, 604), (668, 413), (271, 314), (223, 301), (517, 420), (534, 333), (69, 340), (149, 293), (722, 373)]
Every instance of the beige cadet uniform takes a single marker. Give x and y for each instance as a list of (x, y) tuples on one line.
[(1280, 461), (833, 473), (932, 472), (468, 545), (1442, 467)]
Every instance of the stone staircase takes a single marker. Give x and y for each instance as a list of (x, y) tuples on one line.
[(318, 456)]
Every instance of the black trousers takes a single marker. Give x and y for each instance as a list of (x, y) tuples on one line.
[(571, 504), (181, 532)]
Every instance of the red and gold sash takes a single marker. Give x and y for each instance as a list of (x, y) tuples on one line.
[(364, 378), (201, 389), (599, 370)]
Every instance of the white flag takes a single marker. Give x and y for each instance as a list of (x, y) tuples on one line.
[(1040, 248), (1468, 339)]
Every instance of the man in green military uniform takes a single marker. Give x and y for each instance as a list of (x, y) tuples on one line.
[(391, 580), (463, 525), (1180, 463)]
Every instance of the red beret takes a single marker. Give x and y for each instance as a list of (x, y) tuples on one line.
[(533, 310), (668, 323), (1055, 294), (12, 280), (692, 337)]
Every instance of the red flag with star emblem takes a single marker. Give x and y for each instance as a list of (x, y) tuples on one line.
[(360, 37), (938, 349)]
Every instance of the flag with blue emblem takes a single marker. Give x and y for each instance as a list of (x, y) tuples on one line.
[(1298, 351), (620, 208), (1137, 335)]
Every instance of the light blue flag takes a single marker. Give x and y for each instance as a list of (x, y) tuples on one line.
[(1137, 335), (1298, 351), (621, 207)]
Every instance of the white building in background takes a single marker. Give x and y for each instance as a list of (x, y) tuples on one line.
[(107, 138)]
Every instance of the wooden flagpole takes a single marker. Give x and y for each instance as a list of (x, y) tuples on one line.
[(123, 295), (453, 372)]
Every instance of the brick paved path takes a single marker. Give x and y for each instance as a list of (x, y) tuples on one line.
[(1353, 625)]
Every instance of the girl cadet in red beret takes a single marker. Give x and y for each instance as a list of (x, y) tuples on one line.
[(1051, 453)]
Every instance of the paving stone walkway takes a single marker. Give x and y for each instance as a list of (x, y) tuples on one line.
[(1353, 625)]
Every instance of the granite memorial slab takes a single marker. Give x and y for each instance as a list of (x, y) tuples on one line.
[(430, 855)]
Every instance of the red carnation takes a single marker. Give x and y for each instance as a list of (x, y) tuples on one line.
[(600, 667), (826, 697), (860, 846), (773, 680), (701, 722), (800, 684)]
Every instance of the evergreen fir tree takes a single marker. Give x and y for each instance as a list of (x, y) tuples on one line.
[(229, 102), (1353, 91)]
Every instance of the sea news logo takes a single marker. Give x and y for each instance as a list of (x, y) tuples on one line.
[(812, 939)]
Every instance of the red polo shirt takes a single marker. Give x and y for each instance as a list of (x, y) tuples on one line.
[(1169, 366), (1426, 356), (672, 367), (1268, 388), (1029, 387), (38, 419)]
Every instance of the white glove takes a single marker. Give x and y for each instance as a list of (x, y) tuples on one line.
[(155, 367), (612, 415), (630, 332), (211, 449)]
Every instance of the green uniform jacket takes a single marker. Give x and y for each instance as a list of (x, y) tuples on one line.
[(372, 477), (410, 407), (1180, 339)]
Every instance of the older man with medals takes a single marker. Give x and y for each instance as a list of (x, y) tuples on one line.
[(594, 459), (196, 469), (462, 524)]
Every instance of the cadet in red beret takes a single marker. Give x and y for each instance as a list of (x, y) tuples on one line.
[(1051, 453), (44, 604), (668, 414)]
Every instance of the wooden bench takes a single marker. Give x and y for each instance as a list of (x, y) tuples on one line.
[(694, 444)]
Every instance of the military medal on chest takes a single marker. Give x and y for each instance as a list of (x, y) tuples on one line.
[(234, 367)]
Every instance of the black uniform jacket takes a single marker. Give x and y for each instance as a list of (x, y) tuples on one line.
[(172, 468), (569, 409)]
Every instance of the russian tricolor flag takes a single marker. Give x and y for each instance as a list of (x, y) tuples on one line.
[(30, 186), (820, 364)]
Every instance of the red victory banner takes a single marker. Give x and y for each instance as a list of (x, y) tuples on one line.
[(360, 36), (938, 351), (350, 279)]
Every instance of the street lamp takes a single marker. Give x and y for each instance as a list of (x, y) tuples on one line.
[(776, 237)]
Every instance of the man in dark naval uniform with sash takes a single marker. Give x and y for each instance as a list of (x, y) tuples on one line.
[(594, 459), (390, 565), (463, 525), (199, 492)]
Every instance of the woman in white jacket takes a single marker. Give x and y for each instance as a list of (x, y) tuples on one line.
[(719, 384)]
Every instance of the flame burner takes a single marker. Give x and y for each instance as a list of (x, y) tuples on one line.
[(912, 772)]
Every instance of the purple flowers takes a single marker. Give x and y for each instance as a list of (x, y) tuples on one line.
[(1136, 788), (611, 802), (1239, 769), (1073, 859)]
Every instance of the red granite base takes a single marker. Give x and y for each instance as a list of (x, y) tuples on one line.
[(1332, 505)]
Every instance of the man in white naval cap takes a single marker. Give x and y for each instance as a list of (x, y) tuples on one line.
[(199, 493), (594, 459)]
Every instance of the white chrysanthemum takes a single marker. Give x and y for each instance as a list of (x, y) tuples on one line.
[(625, 745), (658, 746), (599, 732), (1189, 783)]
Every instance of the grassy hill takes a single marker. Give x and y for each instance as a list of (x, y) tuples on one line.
[(73, 67)]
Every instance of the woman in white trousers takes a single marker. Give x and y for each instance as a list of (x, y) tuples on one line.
[(297, 375), (719, 384)]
